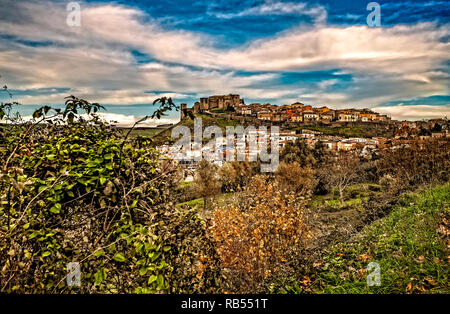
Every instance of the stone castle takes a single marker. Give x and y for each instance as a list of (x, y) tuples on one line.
[(214, 102)]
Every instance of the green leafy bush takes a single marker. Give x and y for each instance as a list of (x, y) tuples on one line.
[(76, 190)]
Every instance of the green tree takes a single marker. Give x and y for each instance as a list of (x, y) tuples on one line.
[(235, 175), (206, 181), (74, 189), (293, 178), (299, 152), (321, 153)]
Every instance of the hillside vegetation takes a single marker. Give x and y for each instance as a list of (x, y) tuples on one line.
[(77, 191), (410, 244), (222, 123), (357, 130)]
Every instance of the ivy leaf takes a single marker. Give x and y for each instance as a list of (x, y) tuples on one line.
[(139, 247), (46, 253), (160, 281), (56, 209), (152, 279), (71, 117), (155, 256), (37, 113), (102, 180), (99, 253), (119, 257), (100, 275)]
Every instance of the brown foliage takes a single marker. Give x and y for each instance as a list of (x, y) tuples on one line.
[(258, 239), (421, 162), (235, 175)]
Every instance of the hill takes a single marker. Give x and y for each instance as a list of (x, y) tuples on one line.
[(352, 129), (165, 136)]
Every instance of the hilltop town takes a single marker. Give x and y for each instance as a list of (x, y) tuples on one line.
[(296, 112), (361, 130)]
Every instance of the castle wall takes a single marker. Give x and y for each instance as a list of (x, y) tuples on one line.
[(221, 102)]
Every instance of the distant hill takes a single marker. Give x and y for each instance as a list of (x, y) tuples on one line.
[(165, 136), (348, 129)]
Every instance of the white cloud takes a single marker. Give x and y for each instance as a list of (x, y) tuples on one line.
[(95, 61), (130, 120), (395, 49), (318, 13), (123, 120), (415, 112)]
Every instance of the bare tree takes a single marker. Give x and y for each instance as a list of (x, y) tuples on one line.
[(342, 172)]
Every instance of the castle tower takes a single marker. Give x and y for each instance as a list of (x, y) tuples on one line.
[(183, 108)]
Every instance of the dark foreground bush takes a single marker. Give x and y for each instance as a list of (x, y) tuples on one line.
[(82, 192)]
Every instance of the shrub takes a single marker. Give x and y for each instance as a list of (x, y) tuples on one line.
[(293, 178), (82, 192), (235, 175), (259, 238), (418, 163)]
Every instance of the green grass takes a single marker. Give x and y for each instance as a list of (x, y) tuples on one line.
[(406, 245), (220, 110), (198, 202), (354, 196), (165, 135), (220, 200), (150, 132), (184, 184), (209, 121), (219, 121), (349, 131)]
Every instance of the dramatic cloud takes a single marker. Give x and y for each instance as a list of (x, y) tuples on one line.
[(124, 120), (120, 53), (318, 13), (418, 112)]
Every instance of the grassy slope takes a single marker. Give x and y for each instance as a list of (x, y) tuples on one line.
[(220, 110), (150, 132), (406, 243), (198, 202), (349, 131), (210, 121), (222, 123)]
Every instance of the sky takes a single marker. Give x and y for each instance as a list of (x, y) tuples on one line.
[(125, 54)]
